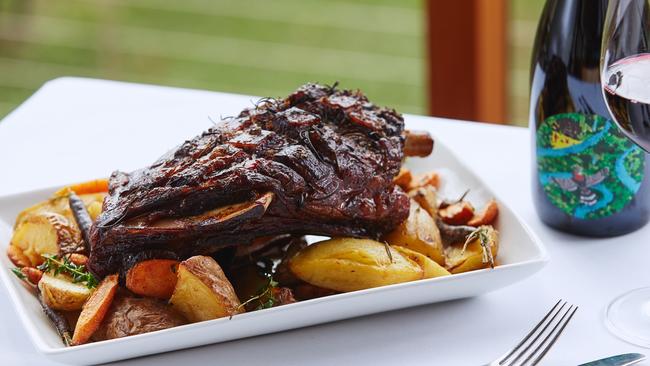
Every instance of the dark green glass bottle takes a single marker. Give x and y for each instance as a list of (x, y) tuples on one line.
[(588, 178)]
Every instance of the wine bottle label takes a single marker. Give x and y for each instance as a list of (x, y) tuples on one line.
[(587, 167)]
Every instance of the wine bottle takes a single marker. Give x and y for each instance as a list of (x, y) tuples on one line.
[(588, 178)]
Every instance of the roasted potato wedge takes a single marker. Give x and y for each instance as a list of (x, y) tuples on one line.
[(430, 268), (427, 198), (426, 179), (153, 278), (55, 205), (349, 264), (95, 309), (45, 233), (403, 178), (94, 209), (93, 203), (50, 228), (419, 233), (203, 292), (130, 316), (60, 293), (59, 205), (473, 256)]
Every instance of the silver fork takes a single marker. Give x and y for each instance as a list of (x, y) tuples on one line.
[(530, 350)]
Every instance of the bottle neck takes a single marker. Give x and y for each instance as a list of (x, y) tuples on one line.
[(572, 30)]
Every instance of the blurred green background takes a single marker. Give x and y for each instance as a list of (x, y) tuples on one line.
[(257, 47)]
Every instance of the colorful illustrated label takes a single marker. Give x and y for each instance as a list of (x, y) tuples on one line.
[(587, 167)]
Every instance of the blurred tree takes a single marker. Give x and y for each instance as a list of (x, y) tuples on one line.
[(243, 46)]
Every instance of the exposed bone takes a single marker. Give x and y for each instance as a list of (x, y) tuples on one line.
[(418, 143)]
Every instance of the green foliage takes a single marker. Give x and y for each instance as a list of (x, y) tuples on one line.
[(58, 265), (634, 164), (486, 239), (265, 297), (18, 273), (244, 46)]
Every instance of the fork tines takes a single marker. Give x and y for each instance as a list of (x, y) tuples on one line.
[(535, 345)]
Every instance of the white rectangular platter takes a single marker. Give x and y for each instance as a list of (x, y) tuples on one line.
[(521, 254)]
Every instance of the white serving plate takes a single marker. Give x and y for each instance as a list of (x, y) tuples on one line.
[(521, 254)]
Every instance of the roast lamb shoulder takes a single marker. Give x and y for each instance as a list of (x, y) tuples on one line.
[(321, 162)]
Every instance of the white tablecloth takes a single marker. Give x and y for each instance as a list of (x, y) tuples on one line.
[(76, 129)]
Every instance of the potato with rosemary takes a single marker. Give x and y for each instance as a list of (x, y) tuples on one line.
[(349, 264), (419, 233), (427, 198), (479, 251), (430, 268)]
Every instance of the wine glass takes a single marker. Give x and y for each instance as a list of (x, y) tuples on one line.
[(625, 80)]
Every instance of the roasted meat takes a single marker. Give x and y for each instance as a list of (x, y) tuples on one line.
[(321, 161)]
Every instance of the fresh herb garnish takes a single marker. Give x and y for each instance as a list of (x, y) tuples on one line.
[(388, 253), (54, 263), (19, 273), (484, 234), (265, 297)]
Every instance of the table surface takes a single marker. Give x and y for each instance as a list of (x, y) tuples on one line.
[(76, 129)]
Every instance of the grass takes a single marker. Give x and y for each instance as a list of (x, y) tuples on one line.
[(245, 46), (524, 15)]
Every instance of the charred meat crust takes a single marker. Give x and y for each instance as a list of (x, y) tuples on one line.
[(328, 156)]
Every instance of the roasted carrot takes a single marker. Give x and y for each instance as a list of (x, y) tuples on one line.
[(94, 310), (457, 214), (78, 259), (487, 215), (92, 186), (33, 275), (17, 257)]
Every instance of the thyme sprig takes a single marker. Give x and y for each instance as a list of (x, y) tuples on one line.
[(267, 291), (58, 265), (19, 273)]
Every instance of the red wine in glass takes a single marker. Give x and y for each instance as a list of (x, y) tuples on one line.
[(625, 81), (627, 90)]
